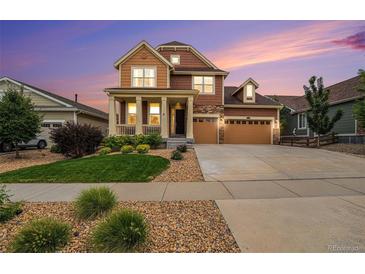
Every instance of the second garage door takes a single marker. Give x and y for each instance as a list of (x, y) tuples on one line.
[(205, 130), (247, 132)]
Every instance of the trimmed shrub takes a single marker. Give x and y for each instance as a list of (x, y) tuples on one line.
[(117, 142), (77, 140), (182, 148), (55, 149), (41, 236), (154, 140), (123, 231), (142, 149), (176, 155), (140, 139), (8, 209), (127, 149), (105, 151), (94, 202)]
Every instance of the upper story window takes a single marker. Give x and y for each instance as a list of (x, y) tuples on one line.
[(175, 59), (144, 77), (154, 114), (131, 113), (302, 121), (249, 92), (204, 84)]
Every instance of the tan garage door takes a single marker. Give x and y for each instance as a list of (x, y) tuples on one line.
[(247, 132), (205, 130)]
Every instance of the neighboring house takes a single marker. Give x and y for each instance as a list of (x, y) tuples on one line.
[(342, 96), (176, 91), (56, 110)]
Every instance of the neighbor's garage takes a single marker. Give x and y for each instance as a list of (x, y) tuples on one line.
[(247, 132), (205, 130)]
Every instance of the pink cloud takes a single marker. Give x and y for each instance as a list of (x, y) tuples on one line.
[(310, 40), (356, 41)]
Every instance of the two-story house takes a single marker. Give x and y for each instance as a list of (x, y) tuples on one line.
[(176, 91)]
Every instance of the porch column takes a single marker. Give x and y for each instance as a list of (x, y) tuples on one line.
[(112, 116), (164, 131), (189, 118), (139, 115)]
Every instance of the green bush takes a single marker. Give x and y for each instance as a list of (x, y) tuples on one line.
[(140, 139), (41, 236), (142, 149), (105, 151), (176, 155), (8, 209), (123, 231), (118, 141), (154, 140), (182, 148), (127, 149), (111, 141), (55, 149), (94, 202)]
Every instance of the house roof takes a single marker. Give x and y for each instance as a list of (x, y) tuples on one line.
[(202, 69), (259, 99), (340, 92), (90, 110), (249, 80), (174, 43), (137, 47)]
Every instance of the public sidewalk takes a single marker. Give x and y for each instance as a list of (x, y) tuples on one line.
[(39, 192)]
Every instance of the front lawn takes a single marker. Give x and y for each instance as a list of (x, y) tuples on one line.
[(107, 168)]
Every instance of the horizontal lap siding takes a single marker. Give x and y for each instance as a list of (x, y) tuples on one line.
[(215, 99), (143, 57), (187, 58), (346, 125), (261, 112), (181, 81)]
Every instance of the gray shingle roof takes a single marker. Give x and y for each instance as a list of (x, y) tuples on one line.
[(174, 43), (233, 100)]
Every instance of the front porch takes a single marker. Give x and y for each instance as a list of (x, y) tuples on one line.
[(149, 112)]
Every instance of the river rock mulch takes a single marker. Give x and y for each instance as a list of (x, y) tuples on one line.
[(28, 158), (182, 226), (353, 149), (185, 170)]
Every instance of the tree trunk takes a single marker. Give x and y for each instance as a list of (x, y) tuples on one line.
[(17, 155), (318, 141)]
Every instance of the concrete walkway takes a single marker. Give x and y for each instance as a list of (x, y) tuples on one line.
[(197, 191), (317, 224)]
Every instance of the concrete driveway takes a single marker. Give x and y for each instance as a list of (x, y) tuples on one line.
[(270, 162)]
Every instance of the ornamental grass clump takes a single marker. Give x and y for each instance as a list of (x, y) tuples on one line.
[(8, 209), (176, 155), (94, 202), (123, 231), (41, 236)]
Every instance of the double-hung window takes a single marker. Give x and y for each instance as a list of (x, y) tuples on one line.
[(302, 121), (154, 114), (144, 77), (131, 113), (205, 84), (249, 92)]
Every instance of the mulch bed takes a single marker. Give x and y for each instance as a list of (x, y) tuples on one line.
[(183, 226), (185, 170), (28, 158), (354, 149)]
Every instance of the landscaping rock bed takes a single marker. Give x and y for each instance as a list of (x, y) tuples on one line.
[(184, 226), (185, 170), (28, 158), (354, 149)]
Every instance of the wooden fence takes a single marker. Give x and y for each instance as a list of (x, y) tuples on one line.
[(308, 141)]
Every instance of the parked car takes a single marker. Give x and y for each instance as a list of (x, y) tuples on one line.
[(38, 142)]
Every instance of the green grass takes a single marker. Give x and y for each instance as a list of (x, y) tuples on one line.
[(105, 168)]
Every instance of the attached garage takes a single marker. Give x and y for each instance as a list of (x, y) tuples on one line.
[(247, 131), (205, 130)]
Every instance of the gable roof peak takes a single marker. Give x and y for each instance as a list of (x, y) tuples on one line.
[(249, 80), (174, 43)]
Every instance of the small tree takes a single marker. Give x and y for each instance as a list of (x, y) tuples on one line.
[(317, 97), (19, 122), (359, 107)]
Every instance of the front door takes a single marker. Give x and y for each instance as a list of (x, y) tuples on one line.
[(180, 121)]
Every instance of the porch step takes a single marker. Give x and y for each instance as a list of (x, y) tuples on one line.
[(174, 142)]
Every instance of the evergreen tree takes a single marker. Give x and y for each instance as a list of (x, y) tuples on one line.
[(19, 122), (317, 117)]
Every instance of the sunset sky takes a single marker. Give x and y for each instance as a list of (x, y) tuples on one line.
[(67, 57)]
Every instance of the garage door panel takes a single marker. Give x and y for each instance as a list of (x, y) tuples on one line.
[(205, 130), (247, 132)]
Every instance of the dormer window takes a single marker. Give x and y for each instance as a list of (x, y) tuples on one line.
[(249, 92), (175, 59)]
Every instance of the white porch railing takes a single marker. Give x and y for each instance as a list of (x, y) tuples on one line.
[(126, 129), (149, 129)]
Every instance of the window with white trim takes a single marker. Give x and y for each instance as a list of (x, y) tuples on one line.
[(144, 77), (302, 121), (175, 59), (204, 84), (249, 92), (154, 114), (131, 113)]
